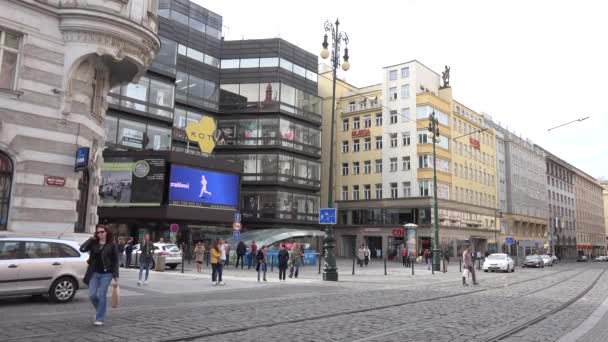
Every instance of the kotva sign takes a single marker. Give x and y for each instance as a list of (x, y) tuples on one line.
[(202, 133)]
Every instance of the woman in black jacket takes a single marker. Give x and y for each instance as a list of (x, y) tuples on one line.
[(283, 260), (103, 268)]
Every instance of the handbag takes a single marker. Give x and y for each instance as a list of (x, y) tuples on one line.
[(115, 296), (88, 274)]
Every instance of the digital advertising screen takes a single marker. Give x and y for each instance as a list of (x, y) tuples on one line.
[(191, 187), (129, 183)]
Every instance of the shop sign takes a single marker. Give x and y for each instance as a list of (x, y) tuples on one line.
[(398, 232), (361, 133), (54, 181), (584, 247), (372, 230), (475, 143), (174, 228), (82, 159), (202, 133)]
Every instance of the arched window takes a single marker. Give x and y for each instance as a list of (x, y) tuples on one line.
[(6, 180)]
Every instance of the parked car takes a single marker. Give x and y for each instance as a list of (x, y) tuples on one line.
[(533, 260), (555, 259), (601, 258), (582, 258), (547, 260), (172, 254), (31, 266), (499, 262)]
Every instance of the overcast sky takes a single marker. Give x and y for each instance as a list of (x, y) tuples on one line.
[(531, 65)]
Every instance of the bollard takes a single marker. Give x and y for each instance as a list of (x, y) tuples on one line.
[(182, 262), (412, 267), (353, 266), (384, 266), (479, 264), (460, 267), (445, 269), (319, 263), (272, 263)]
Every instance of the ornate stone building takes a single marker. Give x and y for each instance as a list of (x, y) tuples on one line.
[(58, 60)]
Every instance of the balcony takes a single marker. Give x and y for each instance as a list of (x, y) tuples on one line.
[(359, 108)]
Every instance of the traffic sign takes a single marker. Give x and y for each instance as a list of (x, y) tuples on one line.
[(237, 216), (236, 226), (328, 216), (174, 228), (509, 241)]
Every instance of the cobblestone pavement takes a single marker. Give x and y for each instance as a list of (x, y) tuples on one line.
[(366, 307)]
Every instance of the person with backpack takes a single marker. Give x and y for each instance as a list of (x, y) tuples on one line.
[(102, 270)]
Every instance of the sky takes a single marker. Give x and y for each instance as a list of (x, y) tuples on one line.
[(531, 65)]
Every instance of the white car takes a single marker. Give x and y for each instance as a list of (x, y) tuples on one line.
[(31, 266), (499, 262), (172, 254), (547, 260)]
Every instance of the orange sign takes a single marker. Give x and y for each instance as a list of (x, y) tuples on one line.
[(475, 143), (361, 133)]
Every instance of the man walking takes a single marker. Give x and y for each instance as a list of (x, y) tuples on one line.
[(146, 258), (253, 252), (404, 256), (469, 265), (128, 252), (241, 249), (283, 260)]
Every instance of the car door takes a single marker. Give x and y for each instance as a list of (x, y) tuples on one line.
[(510, 262), (38, 267), (9, 266)]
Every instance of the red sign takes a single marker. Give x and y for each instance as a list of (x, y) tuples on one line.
[(54, 181), (236, 226), (361, 133), (174, 228), (584, 247), (398, 232), (475, 143)]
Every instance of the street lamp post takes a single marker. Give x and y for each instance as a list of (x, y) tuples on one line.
[(434, 135), (330, 271)]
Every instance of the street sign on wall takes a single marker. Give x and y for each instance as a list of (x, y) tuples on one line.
[(509, 241), (328, 216)]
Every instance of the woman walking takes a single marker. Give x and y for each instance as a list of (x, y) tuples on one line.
[(199, 255), (102, 270), (261, 262), (283, 260), (216, 265)]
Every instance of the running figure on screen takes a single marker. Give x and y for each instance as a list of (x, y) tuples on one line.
[(204, 188)]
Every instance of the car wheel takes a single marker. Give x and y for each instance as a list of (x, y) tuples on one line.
[(485, 271), (173, 266), (63, 290), (507, 270), (513, 269)]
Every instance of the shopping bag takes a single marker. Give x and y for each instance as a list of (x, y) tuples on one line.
[(465, 273), (115, 296)]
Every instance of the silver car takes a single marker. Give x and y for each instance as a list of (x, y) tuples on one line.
[(31, 266), (547, 260)]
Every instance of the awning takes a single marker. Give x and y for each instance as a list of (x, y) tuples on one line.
[(266, 237)]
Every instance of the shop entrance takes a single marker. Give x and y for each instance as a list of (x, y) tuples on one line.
[(348, 245), (374, 243), (425, 243), (395, 244)]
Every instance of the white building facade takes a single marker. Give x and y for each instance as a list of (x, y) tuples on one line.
[(59, 59)]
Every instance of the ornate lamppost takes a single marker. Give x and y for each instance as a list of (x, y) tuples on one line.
[(330, 271), (434, 135)]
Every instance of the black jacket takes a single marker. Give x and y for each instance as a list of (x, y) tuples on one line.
[(109, 256), (283, 258), (241, 248)]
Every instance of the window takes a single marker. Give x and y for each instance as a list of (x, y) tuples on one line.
[(378, 191), (39, 250), (378, 143), (405, 115), (407, 189), (345, 147), (8, 250), (425, 161), (393, 116), (367, 167), (393, 164), (405, 91), (367, 191), (406, 164), (393, 139), (9, 55), (356, 145), (406, 138), (378, 165), (287, 65), (392, 75), (367, 144), (355, 168), (367, 121), (405, 72), (270, 62), (424, 188), (392, 93), (345, 125), (356, 124), (423, 137), (344, 169), (379, 119), (394, 193), (345, 193), (355, 192), (363, 104), (352, 106)]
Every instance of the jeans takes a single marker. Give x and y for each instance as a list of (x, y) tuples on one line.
[(404, 261), (294, 270), (251, 261), (128, 260), (145, 264), (98, 292), (262, 268), (216, 272), (282, 272), (242, 259)]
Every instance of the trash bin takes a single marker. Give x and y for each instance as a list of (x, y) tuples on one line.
[(159, 263)]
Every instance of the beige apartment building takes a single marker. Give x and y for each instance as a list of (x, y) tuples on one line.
[(590, 220)]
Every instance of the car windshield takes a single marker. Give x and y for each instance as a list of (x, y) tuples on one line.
[(497, 257), (171, 248), (545, 257), (532, 257)]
